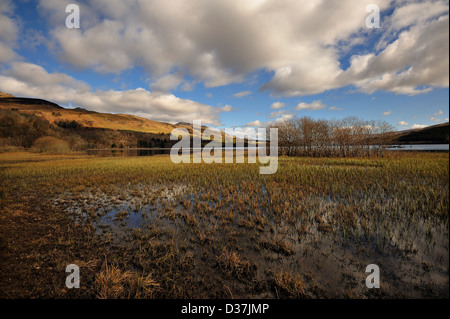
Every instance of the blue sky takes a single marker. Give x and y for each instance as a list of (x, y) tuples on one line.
[(232, 63)]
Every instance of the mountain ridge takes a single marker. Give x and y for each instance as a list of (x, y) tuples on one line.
[(53, 113)]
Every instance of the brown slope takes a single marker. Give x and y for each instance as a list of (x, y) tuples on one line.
[(3, 95), (54, 113), (435, 134)]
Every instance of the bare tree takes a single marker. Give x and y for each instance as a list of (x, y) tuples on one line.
[(347, 137)]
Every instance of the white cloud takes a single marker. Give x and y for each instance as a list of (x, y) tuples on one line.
[(276, 114), (36, 76), (25, 79), (403, 123), (418, 126), (314, 106), (256, 123), (223, 42), (166, 83), (400, 67), (6, 54), (242, 94), (415, 13), (335, 108), (387, 113), (8, 34), (250, 131), (282, 118), (226, 108), (277, 105), (435, 117)]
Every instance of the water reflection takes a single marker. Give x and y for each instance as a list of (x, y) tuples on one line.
[(421, 147), (162, 151), (129, 152)]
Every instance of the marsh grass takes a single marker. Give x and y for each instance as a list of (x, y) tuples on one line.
[(236, 265), (212, 231), (114, 283), (289, 286)]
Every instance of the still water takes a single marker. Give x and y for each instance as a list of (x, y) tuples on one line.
[(159, 151), (421, 147)]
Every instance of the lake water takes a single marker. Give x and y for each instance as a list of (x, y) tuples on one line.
[(160, 151), (129, 152), (421, 147)]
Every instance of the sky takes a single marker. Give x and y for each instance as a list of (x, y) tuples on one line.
[(232, 63)]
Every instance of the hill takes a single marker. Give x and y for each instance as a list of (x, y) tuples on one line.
[(54, 114), (23, 120), (436, 134), (3, 95)]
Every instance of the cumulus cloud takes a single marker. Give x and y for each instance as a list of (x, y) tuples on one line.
[(222, 42), (36, 76), (403, 123), (314, 106), (277, 105), (387, 113), (415, 13), (412, 63), (25, 79), (282, 118)]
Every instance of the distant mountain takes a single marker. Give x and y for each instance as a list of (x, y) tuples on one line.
[(436, 134)]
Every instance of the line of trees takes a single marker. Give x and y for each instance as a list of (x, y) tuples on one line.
[(348, 137)]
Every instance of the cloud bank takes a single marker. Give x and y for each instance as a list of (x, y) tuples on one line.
[(26, 79), (299, 42)]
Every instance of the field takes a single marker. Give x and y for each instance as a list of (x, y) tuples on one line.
[(143, 227)]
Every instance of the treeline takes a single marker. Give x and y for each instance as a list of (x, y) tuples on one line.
[(348, 137), (20, 130)]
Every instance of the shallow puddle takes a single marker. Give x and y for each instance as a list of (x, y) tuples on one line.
[(331, 258)]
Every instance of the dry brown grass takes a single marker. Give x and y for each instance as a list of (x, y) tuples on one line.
[(60, 209), (52, 145), (290, 286), (235, 264), (114, 283)]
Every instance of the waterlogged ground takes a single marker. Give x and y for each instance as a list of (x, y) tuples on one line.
[(146, 228)]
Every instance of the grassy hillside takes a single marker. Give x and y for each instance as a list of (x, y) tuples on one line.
[(24, 120), (436, 134), (4, 95), (54, 114)]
